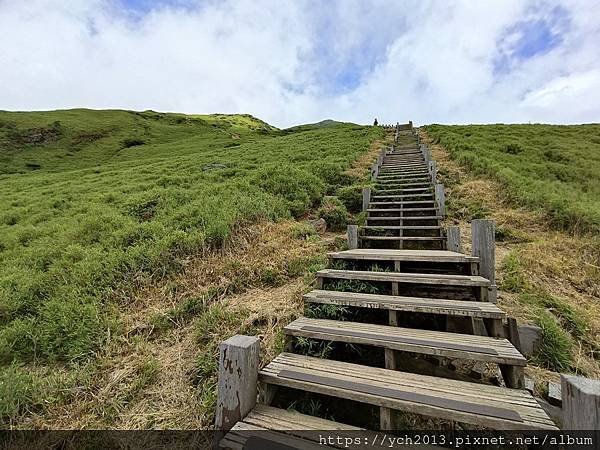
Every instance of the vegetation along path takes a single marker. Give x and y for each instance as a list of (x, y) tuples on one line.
[(397, 325)]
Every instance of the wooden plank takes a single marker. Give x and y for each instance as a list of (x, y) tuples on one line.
[(352, 236), (403, 218), (421, 189), (409, 202), (237, 379), (440, 198), (403, 255), (410, 304), (401, 227), (426, 194), (453, 236), (413, 278), (581, 403), (366, 197), (412, 397), (402, 238), (269, 426), (405, 210), (426, 342), (484, 247), (478, 404)]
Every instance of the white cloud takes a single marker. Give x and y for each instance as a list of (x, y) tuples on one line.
[(426, 61)]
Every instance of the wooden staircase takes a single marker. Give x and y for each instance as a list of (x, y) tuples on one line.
[(420, 307)]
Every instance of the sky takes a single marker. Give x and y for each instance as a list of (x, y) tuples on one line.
[(299, 61)]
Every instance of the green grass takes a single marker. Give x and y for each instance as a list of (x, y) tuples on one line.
[(555, 168), (96, 203)]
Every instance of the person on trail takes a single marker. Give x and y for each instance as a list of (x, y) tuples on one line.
[(375, 123)]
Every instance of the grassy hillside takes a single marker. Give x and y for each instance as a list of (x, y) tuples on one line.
[(551, 167), (94, 204), (540, 183)]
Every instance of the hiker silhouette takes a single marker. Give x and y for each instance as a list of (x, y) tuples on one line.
[(375, 123)]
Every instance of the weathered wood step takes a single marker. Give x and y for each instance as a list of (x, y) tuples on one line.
[(403, 167), (401, 171), (488, 406), (400, 168), (386, 178), (397, 186), (482, 310), (268, 427), (423, 177), (367, 237), (406, 210), (404, 218), (400, 227), (400, 277), (425, 190), (445, 256), (425, 194), (406, 202), (425, 342)]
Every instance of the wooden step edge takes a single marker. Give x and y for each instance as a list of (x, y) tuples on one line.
[(447, 307), (400, 227), (405, 255), (424, 342), (404, 218), (483, 405), (268, 427), (401, 238), (404, 277)]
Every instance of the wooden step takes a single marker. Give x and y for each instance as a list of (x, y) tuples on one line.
[(424, 342), (488, 406), (401, 171), (400, 227), (401, 177), (421, 189), (405, 210), (396, 169), (442, 256), (367, 237), (274, 428), (426, 194), (402, 181), (404, 218), (403, 167), (401, 277), (396, 186), (408, 202), (481, 310)]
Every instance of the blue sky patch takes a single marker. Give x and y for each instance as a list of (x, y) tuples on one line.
[(142, 7), (531, 37)]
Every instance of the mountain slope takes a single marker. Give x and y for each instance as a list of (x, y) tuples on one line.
[(96, 203)]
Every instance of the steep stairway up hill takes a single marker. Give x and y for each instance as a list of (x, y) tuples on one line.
[(421, 309)]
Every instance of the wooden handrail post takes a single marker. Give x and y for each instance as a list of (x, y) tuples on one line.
[(453, 239), (484, 247), (433, 170), (440, 198), (581, 403), (425, 152), (352, 237), (366, 198), (238, 380)]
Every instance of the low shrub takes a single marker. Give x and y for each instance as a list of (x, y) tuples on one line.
[(351, 197), (334, 213)]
